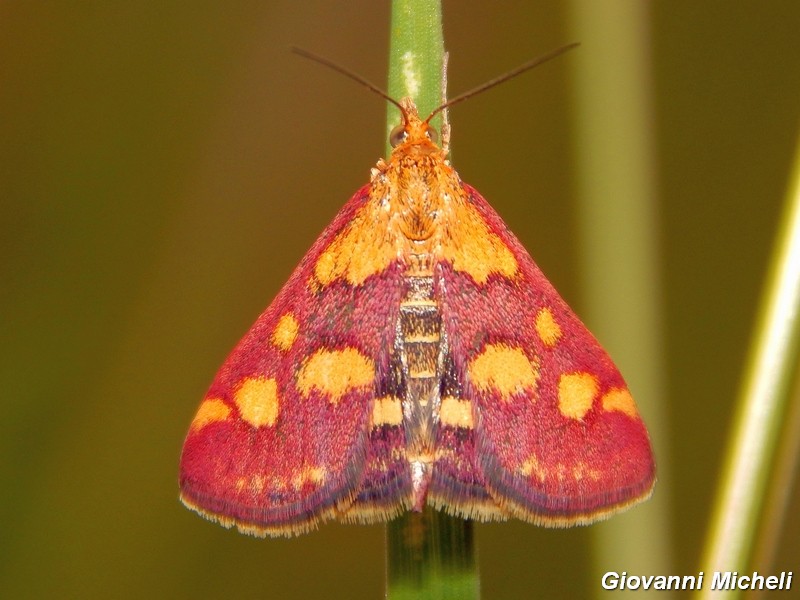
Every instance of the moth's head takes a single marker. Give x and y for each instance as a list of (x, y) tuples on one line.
[(413, 132)]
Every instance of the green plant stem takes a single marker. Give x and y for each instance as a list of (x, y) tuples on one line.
[(416, 55), (430, 555), (763, 404)]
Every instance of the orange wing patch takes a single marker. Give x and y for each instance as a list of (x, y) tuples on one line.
[(257, 401), (387, 411), (335, 372), (310, 475), (620, 399), (455, 412), (548, 330), (532, 466), (210, 411), (358, 251), (472, 248), (576, 392), (504, 369), (285, 332)]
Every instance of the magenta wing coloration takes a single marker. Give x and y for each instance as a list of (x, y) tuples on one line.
[(284, 436), (417, 355), (557, 439)]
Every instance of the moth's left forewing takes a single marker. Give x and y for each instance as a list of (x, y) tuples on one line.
[(555, 437), (299, 425)]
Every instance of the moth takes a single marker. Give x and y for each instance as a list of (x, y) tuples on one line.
[(416, 356)]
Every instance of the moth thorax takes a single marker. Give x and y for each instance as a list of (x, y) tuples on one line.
[(420, 343)]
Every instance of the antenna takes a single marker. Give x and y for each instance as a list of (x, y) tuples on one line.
[(357, 78), (460, 98), (505, 77)]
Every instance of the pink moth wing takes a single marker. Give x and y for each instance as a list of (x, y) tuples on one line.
[(305, 458), (567, 449)]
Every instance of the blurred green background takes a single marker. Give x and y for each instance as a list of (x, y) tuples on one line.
[(164, 166)]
